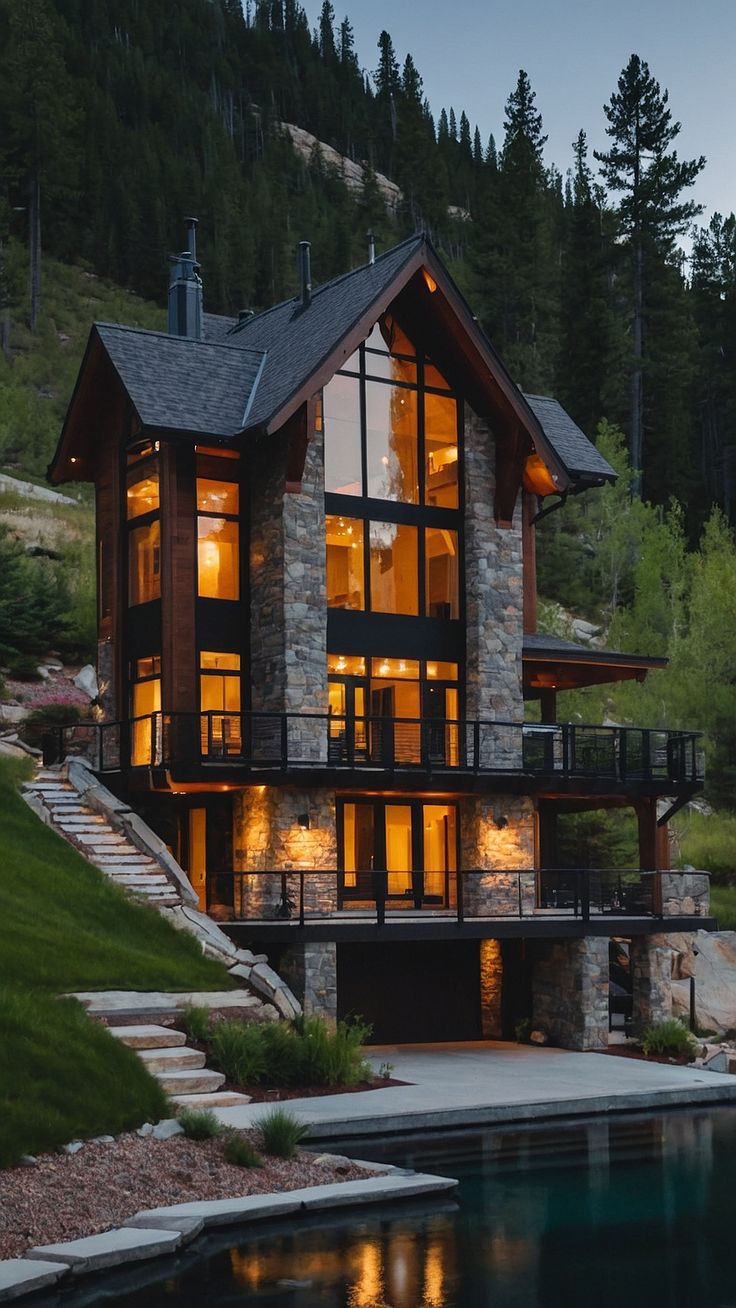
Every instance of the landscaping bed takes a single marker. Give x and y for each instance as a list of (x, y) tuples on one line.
[(65, 1197)]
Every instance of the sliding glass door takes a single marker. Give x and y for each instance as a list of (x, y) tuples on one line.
[(412, 841)]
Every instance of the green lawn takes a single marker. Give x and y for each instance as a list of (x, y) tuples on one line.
[(723, 906), (63, 927)]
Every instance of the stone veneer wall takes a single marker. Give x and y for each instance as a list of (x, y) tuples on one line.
[(288, 594), (491, 989), (685, 894), (310, 970), (570, 992), (652, 959), (266, 835), (494, 601), (485, 846)]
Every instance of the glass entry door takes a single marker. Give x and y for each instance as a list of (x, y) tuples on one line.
[(411, 843)]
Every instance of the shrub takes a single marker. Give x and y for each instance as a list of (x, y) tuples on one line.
[(199, 1124), (280, 1133), (196, 1022), (239, 1151), (283, 1057), (47, 718), (669, 1037), (238, 1050), (333, 1057)]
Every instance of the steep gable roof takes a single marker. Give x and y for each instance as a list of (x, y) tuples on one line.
[(178, 384), (579, 455)]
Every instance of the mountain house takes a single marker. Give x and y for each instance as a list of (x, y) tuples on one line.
[(317, 636)]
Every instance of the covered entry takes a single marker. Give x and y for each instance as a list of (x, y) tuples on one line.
[(412, 991)]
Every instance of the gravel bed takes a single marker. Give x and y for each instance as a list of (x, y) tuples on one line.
[(65, 1197)]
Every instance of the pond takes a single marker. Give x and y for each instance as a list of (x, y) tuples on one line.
[(620, 1212)]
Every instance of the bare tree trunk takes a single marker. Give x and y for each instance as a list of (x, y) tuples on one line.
[(34, 245), (637, 378)]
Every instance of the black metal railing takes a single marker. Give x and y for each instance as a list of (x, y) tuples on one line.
[(280, 742), (302, 896)]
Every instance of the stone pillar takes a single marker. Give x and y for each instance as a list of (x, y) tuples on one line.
[(491, 984), (651, 975), (310, 970), (497, 835), (288, 590), (570, 992), (267, 839), (494, 603)]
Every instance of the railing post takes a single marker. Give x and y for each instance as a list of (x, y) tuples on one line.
[(521, 897), (379, 891), (623, 737), (476, 745), (284, 742), (566, 729), (460, 896), (301, 896), (585, 896)]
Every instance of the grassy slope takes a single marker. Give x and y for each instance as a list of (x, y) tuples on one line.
[(64, 927), (37, 382)]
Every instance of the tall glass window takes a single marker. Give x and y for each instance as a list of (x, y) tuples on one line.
[(218, 528), (142, 507), (219, 702), (145, 711)]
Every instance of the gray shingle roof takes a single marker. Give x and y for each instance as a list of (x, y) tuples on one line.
[(536, 645), (577, 453), (181, 384), (216, 327), (298, 341)]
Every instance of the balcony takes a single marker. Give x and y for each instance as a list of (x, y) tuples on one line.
[(260, 746), (331, 905)]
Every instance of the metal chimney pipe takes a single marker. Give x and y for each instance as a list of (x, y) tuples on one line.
[(192, 236), (305, 272), (371, 247)]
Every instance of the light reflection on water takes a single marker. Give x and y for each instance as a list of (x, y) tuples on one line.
[(617, 1213)]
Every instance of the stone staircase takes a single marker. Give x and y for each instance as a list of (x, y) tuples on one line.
[(180, 1070), (99, 842)]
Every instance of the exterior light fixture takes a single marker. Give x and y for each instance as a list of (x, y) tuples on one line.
[(429, 281), (73, 459), (500, 820), (303, 821)]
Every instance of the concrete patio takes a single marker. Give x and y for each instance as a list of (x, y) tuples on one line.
[(455, 1085)]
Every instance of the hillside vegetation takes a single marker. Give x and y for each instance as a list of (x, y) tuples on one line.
[(64, 927)]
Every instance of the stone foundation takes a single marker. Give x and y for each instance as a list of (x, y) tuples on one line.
[(267, 835), (652, 960), (311, 972), (570, 992)]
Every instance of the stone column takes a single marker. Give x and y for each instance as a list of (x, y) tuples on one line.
[(570, 992), (494, 603), (651, 974), (497, 835), (310, 970), (267, 838), (288, 590), (491, 984)]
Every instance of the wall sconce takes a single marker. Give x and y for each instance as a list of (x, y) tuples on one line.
[(303, 821), (500, 820)]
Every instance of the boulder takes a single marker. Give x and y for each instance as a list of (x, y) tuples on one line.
[(86, 681), (715, 982)]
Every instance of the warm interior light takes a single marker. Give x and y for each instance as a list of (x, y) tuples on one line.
[(429, 281), (538, 479)]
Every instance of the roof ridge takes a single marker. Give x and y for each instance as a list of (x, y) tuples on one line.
[(169, 336), (417, 237)]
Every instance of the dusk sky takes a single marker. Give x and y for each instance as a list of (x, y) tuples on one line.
[(469, 54)]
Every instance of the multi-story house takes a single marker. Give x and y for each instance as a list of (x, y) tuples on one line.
[(317, 635)]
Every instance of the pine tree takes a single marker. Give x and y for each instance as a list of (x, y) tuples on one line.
[(641, 166), (714, 307)]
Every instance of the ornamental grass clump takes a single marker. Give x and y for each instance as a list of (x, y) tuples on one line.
[(671, 1038), (239, 1151), (281, 1133), (199, 1124), (196, 1022), (238, 1050), (333, 1057)]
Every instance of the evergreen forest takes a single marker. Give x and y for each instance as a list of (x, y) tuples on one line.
[(121, 116)]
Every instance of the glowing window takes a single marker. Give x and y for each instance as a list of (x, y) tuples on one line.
[(392, 446), (145, 715), (345, 570), (219, 702), (144, 564), (441, 573), (218, 548), (347, 664), (394, 568), (343, 473), (217, 496), (143, 495), (441, 451)]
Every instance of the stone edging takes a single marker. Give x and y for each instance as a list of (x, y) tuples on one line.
[(160, 1231)]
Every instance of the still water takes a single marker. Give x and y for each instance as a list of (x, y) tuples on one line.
[(623, 1212)]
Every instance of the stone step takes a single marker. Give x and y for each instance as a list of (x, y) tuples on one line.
[(133, 878), (189, 1082), (103, 842), (109, 1002), (76, 829), (217, 1099), (112, 869), (172, 1059), (126, 859), (148, 1036), (52, 787)]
